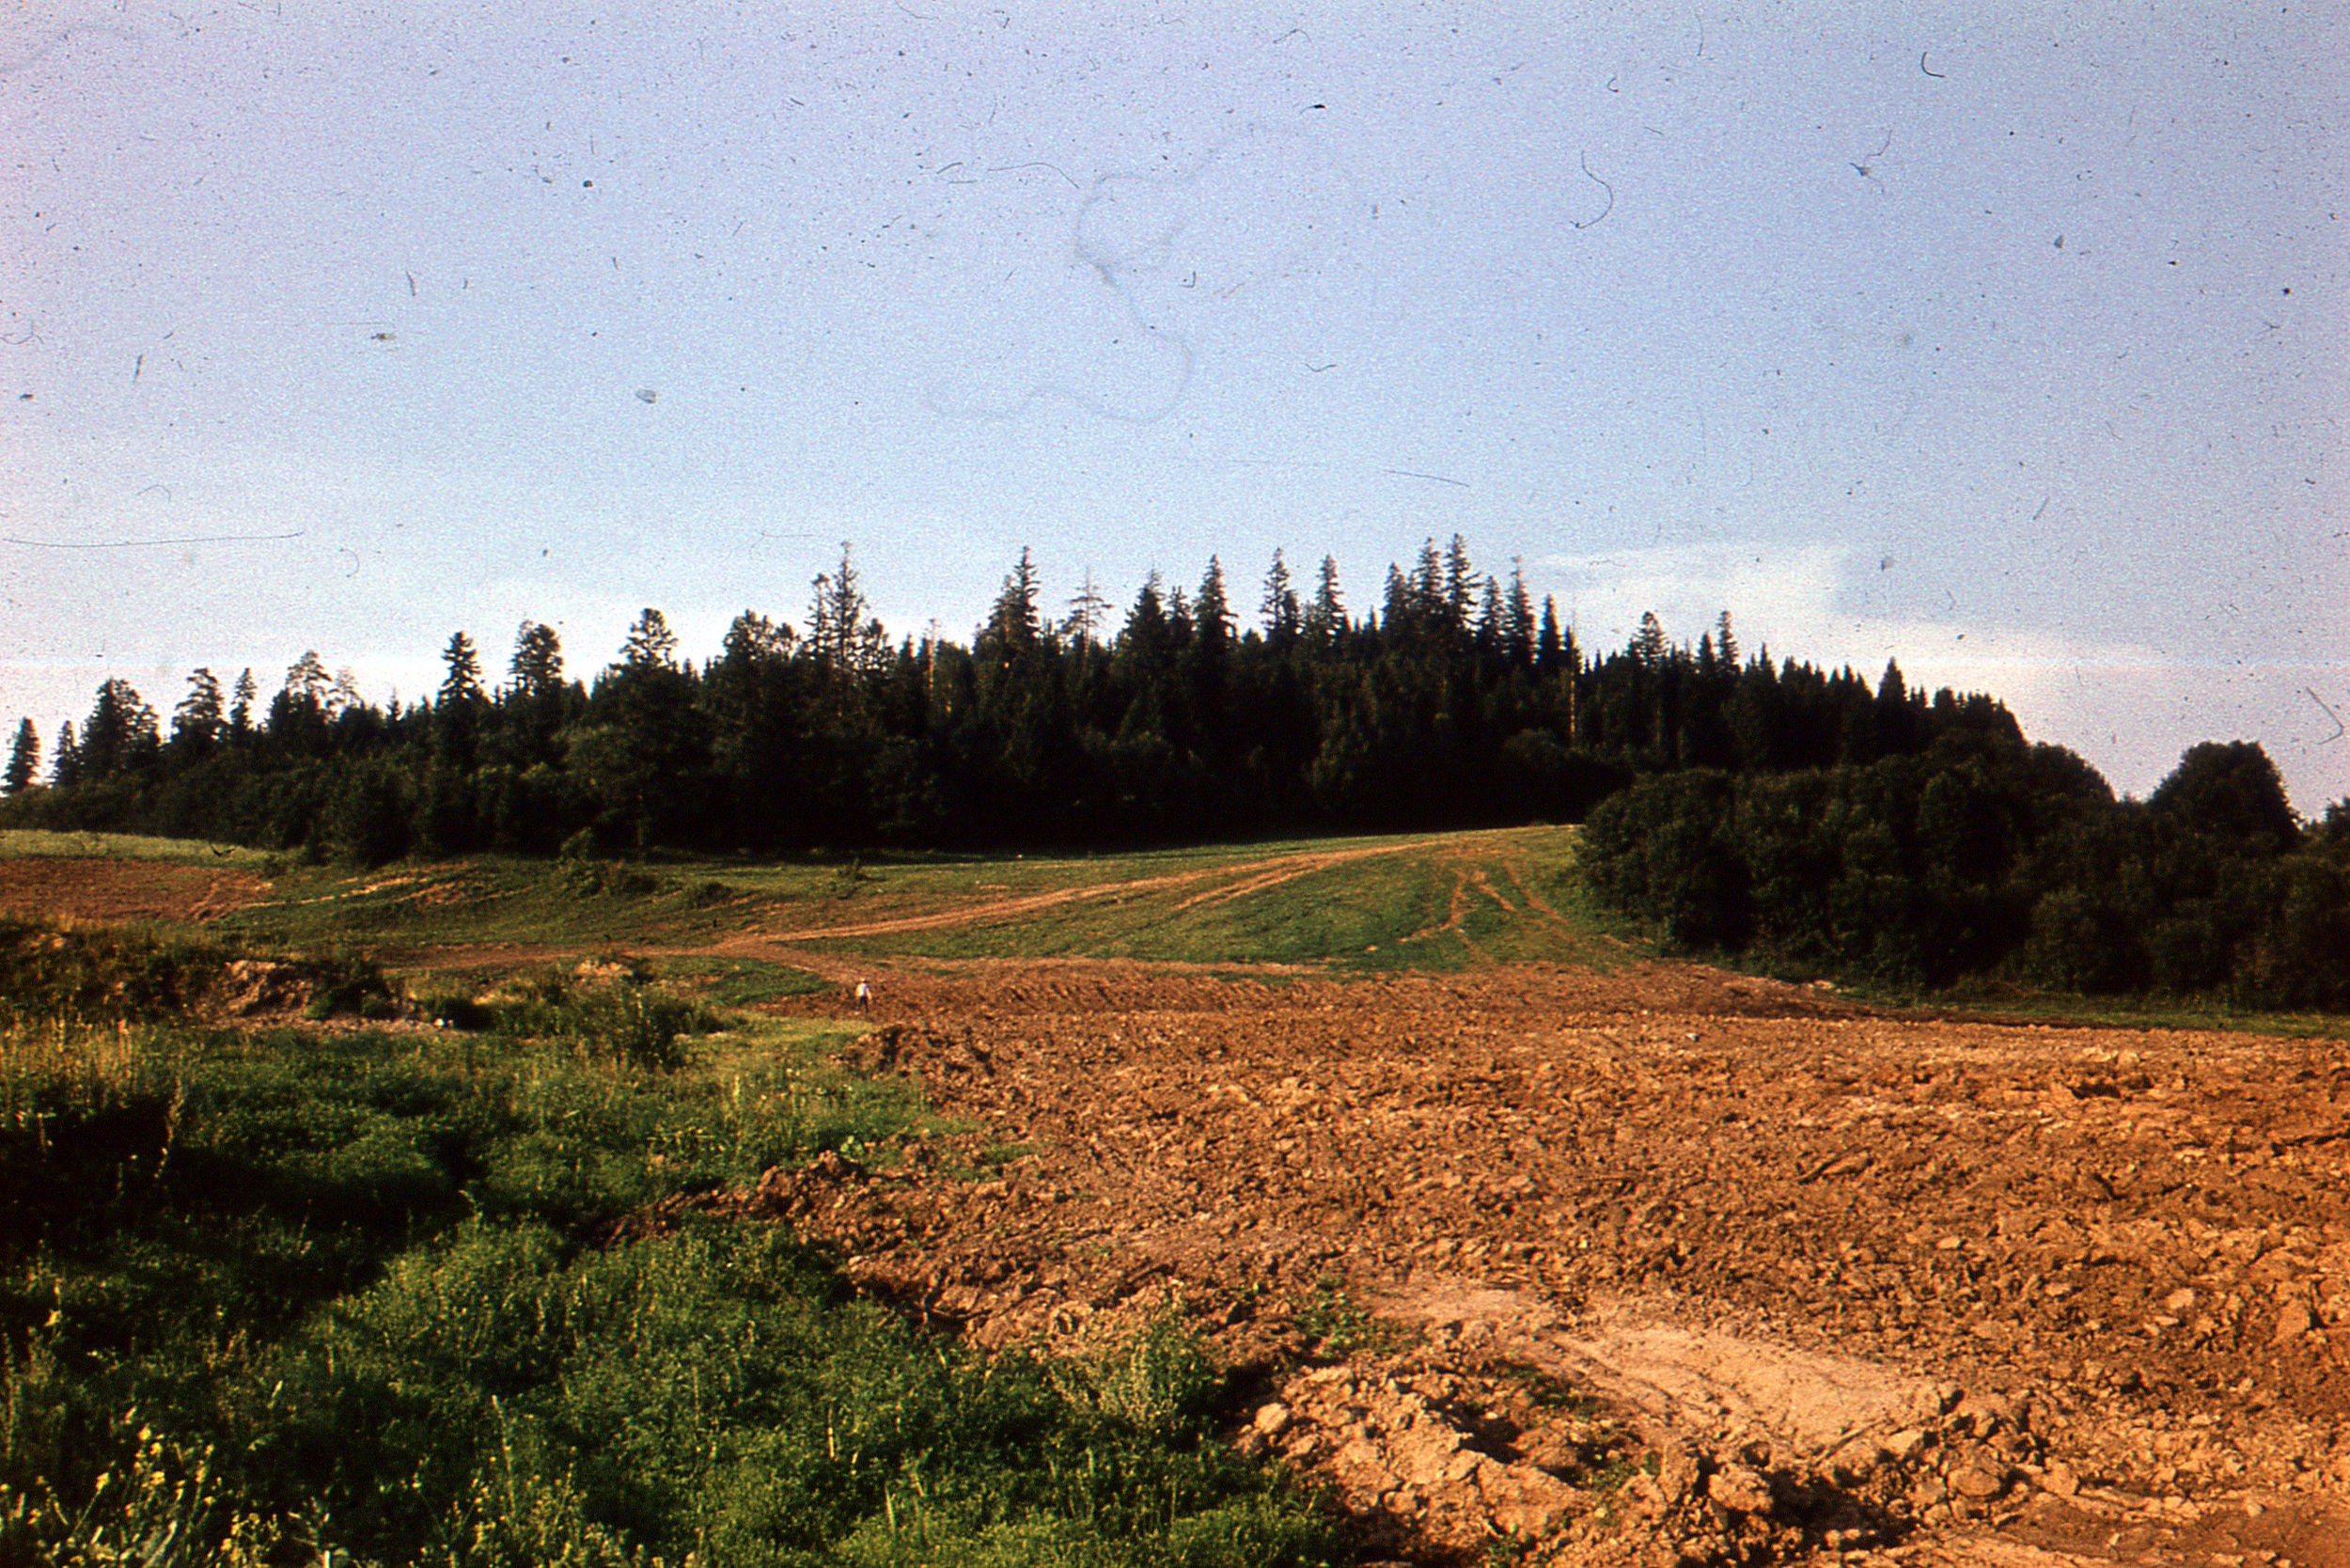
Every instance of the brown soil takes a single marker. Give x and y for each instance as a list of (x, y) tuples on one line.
[(103, 891), (1666, 1265)]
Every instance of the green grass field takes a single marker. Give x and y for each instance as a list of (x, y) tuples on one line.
[(1437, 901), (309, 1295), (1425, 901), (26, 841)]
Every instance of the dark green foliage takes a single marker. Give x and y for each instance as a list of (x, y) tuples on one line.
[(1457, 706), (24, 759), (1983, 857), (2231, 791)]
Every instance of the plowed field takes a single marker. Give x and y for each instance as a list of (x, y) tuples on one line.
[(1941, 1291), (107, 891)]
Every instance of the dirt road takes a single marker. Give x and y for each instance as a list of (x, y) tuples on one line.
[(1810, 1279)]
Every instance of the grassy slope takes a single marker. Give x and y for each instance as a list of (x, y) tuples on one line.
[(1379, 903), (1438, 901), (36, 842)]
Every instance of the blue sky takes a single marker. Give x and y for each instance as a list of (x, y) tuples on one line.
[(2012, 344)]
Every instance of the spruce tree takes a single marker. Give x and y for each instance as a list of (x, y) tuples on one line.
[(1649, 646), (1550, 646), (1211, 613), (1283, 616), (24, 759), (1013, 626), (241, 715), (1517, 621), (1327, 618), (1460, 584), (462, 686), (121, 732)]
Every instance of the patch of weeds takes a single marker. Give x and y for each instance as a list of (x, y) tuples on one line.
[(614, 1015), (846, 879), (609, 878), (1158, 1379), (1550, 1392), (454, 1010), (1502, 1549), (48, 970), (1610, 1475), (1344, 1325), (747, 981), (348, 983), (161, 1502)]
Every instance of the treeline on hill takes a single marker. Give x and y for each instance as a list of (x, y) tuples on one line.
[(1981, 856), (1455, 704)]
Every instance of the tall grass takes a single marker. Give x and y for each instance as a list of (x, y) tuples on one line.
[(268, 1295)]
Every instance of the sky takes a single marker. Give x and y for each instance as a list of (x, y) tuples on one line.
[(2011, 342)]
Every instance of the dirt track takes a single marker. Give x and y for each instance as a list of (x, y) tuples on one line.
[(1673, 1186), (1256, 876)]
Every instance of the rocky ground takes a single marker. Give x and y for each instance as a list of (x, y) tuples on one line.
[(1668, 1266)]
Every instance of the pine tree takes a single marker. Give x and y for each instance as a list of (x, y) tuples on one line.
[(1460, 584), (198, 724), (1283, 615), (1328, 616), (241, 715), (1013, 626), (1517, 621), (650, 644), (1726, 644), (64, 761), (306, 680), (1085, 611), (24, 759), (462, 686), (752, 638), (537, 667)]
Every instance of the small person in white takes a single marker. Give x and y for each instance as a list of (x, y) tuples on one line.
[(864, 995)]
